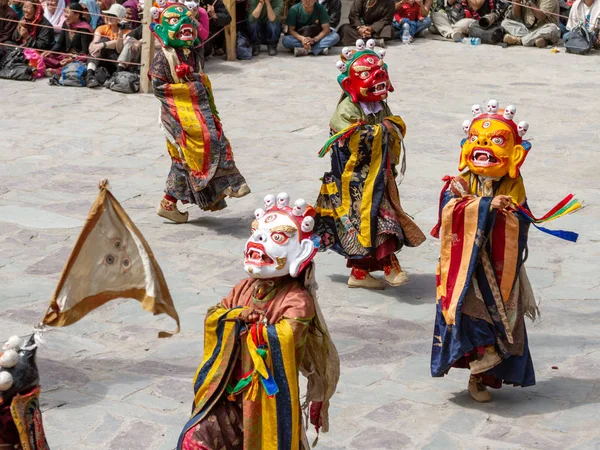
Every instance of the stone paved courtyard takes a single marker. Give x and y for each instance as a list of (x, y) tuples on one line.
[(109, 383)]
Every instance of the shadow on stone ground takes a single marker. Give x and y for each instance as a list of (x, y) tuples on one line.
[(234, 226), (547, 396), (420, 289)]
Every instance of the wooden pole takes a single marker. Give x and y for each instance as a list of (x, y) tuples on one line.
[(147, 49), (231, 31)]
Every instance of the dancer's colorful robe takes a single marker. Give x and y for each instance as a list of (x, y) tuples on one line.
[(236, 406), (483, 292), (202, 160), (358, 208)]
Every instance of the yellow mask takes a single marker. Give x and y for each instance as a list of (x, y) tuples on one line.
[(493, 147)]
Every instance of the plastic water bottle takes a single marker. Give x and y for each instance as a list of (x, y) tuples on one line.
[(471, 41), (406, 34)]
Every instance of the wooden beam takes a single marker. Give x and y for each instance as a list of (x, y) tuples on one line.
[(230, 31), (147, 49)]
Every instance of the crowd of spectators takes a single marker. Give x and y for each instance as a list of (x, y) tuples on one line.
[(105, 35)]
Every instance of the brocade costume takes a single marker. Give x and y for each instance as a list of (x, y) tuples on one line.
[(257, 341), (361, 217), (202, 161), (359, 214), (203, 170), (483, 293)]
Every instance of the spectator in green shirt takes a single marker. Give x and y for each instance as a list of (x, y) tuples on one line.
[(309, 30), (264, 23)]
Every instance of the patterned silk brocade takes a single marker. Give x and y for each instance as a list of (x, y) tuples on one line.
[(483, 292), (249, 419), (202, 166), (358, 207)]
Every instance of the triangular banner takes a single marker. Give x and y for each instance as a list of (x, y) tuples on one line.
[(110, 260)]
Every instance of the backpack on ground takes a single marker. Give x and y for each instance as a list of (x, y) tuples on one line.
[(14, 66), (492, 35), (73, 75), (243, 47), (580, 41), (124, 82)]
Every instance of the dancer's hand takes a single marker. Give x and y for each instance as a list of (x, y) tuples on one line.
[(501, 202), (250, 316)]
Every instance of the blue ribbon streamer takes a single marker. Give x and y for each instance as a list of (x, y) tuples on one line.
[(269, 384), (562, 234)]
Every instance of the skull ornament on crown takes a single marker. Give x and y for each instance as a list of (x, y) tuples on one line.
[(282, 240), (175, 27), (494, 146), (364, 76)]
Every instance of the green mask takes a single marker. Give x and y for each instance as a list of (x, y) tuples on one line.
[(175, 27)]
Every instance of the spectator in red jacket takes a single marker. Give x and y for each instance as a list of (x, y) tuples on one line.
[(413, 12)]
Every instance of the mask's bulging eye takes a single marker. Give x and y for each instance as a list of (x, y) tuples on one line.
[(364, 75), (173, 20), (474, 138), (279, 238), (498, 140)]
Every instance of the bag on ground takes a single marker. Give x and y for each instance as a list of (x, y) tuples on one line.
[(580, 41), (243, 47), (124, 82), (73, 75), (491, 35), (14, 66)]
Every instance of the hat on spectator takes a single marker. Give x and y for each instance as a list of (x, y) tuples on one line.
[(116, 10)]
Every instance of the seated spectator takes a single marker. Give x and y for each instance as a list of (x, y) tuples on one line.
[(219, 18), (264, 24), (536, 25), (7, 28), (369, 19), (92, 15), (54, 12), (309, 30), (587, 12), (132, 50), (107, 43), (413, 12), (28, 33), (106, 4), (131, 8), (17, 7), (454, 22), (334, 9), (69, 41)]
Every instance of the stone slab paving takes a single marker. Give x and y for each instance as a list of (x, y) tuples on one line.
[(109, 383)]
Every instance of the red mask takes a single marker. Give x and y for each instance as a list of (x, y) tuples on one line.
[(368, 80)]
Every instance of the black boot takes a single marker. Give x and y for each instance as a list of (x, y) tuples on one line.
[(90, 79)]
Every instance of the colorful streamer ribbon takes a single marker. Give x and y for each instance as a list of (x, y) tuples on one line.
[(566, 206), (344, 134)]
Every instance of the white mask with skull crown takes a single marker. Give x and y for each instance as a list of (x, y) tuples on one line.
[(282, 240)]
